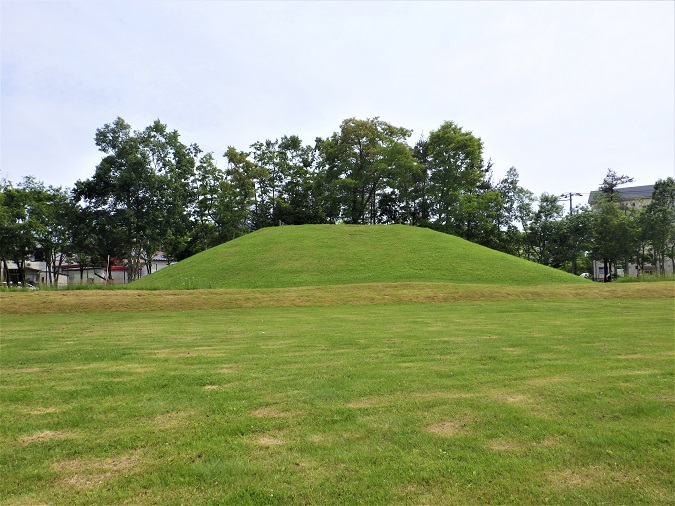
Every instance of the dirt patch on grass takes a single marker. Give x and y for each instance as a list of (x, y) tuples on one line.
[(212, 387), (373, 402), (546, 380), (276, 345), (27, 500), (447, 428), (107, 301), (269, 441), (639, 372), (670, 399), (133, 368), (513, 351), (172, 420), (84, 473), (513, 398), (269, 412), (369, 402), (168, 353), (550, 442), (39, 411), (502, 445), (439, 395), (591, 477), (45, 435), (535, 407), (23, 370)]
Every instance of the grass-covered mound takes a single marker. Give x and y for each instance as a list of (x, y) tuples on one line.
[(316, 255)]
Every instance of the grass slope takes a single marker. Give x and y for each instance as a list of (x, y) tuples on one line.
[(320, 255)]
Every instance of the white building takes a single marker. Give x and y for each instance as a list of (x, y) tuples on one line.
[(36, 274), (73, 274), (632, 197)]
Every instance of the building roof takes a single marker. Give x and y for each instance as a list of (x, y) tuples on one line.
[(628, 193)]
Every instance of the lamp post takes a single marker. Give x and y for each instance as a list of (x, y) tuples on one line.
[(569, 196)]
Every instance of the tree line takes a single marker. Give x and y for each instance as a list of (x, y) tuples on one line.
[(152, 192)]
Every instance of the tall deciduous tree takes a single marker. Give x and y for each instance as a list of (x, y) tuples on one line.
[(34, 223), (516, 212), (54, 211), (17, 227), (455, 165), (142, 186), (124, 187), (658, 222), (298, 202), (574, 239), (614, 234), (239, 211), (207, 183), (173, 165), (358, 166), (542, 232), (421, 211)]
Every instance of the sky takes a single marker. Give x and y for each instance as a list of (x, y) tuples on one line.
[(562, 91)]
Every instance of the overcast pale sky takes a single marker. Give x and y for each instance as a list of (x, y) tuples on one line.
[(560, 90)]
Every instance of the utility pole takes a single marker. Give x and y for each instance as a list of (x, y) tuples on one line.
[(566, 196), (569, 195)]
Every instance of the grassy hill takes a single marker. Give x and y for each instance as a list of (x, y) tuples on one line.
[(319, 255)]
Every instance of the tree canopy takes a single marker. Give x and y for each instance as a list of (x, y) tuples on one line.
[(152, 192)]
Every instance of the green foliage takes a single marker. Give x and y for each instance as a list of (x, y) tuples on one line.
[(152, 193), (311, 255), (359, 164), (574, 240), (140, 191), (35, 221), (658, 221), (615, 232), (455, 163), (544, 230), (514, 215), (610, 183)]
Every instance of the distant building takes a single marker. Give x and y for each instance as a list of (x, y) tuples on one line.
[(73, 273), (36, 274), (632, 197)]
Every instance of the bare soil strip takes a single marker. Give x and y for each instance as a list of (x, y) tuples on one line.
[(106, 301)]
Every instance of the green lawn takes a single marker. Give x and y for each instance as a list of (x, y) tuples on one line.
[(481, 402)]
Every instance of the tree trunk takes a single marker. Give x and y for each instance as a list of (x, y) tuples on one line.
[(57, 270)]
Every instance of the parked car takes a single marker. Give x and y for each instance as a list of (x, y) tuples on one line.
[(28, 286)]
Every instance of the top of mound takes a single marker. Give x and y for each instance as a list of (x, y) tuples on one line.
[(316, 255)]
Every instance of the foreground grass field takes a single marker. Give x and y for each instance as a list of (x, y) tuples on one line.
[(396, 394)]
